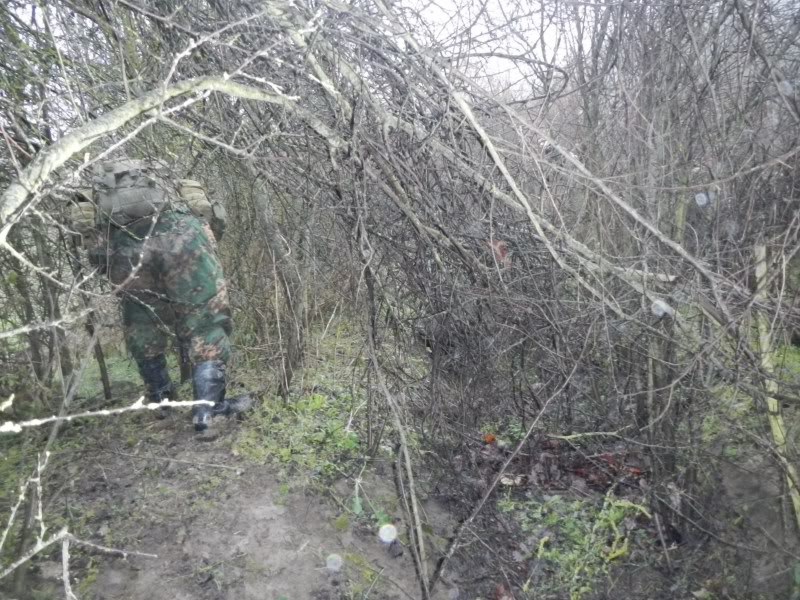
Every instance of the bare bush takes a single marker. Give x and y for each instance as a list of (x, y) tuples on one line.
[(585, 215)]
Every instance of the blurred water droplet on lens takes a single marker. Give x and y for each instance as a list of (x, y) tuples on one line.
[(661, 308), (701, 198), (334, 562), (387, 533)]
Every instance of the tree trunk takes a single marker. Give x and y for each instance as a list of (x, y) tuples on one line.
[(776, 423)]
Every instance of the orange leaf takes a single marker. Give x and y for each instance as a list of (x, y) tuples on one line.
[(489, 438)]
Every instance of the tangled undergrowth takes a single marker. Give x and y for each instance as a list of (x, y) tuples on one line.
[(574, 541)]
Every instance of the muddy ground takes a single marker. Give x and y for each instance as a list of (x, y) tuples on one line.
[(227, 520), (221, 526)]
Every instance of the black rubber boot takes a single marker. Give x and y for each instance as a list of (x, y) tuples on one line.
[(208, 382), (156, 379)]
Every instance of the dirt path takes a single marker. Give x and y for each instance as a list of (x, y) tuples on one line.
[(221, 527)]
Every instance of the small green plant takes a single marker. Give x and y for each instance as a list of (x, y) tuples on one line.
[(375, 515), (576, 539), (89, 577), (362, 575), (342, 522)]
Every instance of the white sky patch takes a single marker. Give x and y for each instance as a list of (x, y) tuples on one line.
[(503, 45)]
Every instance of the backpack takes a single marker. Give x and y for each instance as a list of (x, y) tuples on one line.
[(128, 190), (193, 194)]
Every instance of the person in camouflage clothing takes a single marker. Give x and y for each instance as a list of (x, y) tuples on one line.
[(179, 277), (165, 268)]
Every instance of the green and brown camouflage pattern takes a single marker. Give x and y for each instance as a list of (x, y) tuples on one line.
[(171, 282)]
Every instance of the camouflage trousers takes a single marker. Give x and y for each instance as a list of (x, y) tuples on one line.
[(171, 283)]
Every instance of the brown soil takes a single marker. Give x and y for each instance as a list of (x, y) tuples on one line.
[(221, 527)]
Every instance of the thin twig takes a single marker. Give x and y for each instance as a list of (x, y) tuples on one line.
[(453, 546), (64, 534), (177, 460), (109, 550), (663, 541), (12, 427), (396, 415), (65, 570), (40, 545)]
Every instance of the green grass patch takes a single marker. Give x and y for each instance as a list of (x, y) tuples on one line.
[(121, 368), (315, 431), (730, 406), (311, 433)]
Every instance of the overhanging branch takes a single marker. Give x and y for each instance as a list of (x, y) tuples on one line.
[(14, 199)]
